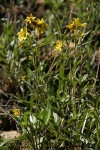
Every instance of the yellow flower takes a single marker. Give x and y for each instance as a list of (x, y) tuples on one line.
[(58, 45), (22, 35), (30, 19), (41, 25), (16, 112), (70, 26), (75, 25), (23, 78), (30, 58), (78, 23), (83, 25), (40, 21), (82, 34)]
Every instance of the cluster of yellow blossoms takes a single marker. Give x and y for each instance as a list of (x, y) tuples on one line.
[(75, 26), (39, 25), (75, 29)]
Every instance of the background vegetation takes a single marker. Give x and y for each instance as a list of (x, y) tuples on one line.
[(51, 97)]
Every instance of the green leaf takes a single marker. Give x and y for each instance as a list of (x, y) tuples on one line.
[(61, 74), (84, 77), (25, 118), (45, 115)]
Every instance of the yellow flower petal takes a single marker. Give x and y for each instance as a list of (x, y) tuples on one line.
[(41, 25), (22, 35), (75, 25), (30, 19), (58, 45), (16, 112)]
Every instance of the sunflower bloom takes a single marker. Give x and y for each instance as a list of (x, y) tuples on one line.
[(30, 19), (58, 45), (41, 25), (22, 35)]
